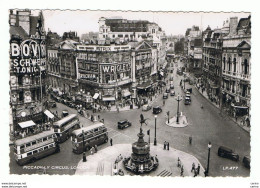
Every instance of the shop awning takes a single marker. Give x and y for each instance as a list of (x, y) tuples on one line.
[(49, 114), (96, 96), (26, 124), (144, 85), (108, 99), (126, 93)]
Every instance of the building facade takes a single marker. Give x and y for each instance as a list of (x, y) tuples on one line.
[(236, 66), (212, 61), (28, 78)]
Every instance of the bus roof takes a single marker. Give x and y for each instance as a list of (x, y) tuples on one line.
[(65, 119), (34, 137), (85, 129)]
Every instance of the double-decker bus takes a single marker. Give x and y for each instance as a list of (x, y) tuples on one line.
[(64, 127), (32, 148), (87, 137)]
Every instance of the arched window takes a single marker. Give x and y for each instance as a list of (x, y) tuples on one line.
[(229, 64), (235, 64), (224, 63), (246, 66)]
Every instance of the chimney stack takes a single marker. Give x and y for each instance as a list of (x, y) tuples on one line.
[(233, 26)]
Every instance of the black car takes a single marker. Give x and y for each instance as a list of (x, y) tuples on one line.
[(247, 161), (172, 86), (65, 113), (157, 110), (123, 124), (227, 153), (165, 96), (52, 104)]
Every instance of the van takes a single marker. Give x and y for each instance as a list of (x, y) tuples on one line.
[(227, 153)]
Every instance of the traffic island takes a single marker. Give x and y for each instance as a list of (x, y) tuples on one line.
[(107, 162), (173, 122)]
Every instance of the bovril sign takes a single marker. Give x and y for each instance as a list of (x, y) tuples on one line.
[(27, 56)]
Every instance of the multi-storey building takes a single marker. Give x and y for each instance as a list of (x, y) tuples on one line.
[(212, 53), (236, 65), (27, 68)]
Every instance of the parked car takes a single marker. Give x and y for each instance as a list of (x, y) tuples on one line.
[(65, 113), (165, 96), (52, 104), (171, 79), (123, 124), (227, 153), (157, 110), (146, 107), (167, 90), (189, 90), (246, 161), (187, 100), (171, 86), (172, 92)]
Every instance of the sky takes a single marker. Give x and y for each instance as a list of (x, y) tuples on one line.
[(174, 23)]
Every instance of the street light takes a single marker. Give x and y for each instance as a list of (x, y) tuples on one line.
[(207, 170), (84, 149), (178, 100), (155, 141), (184, 81)]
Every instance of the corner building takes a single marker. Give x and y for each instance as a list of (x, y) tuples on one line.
[(27, 68)]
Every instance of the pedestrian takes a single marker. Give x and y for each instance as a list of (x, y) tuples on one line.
[(96, 149), (198, 169), (179, 162), (195, 173), (190, 140), (193, 167), (163, 102), (98, 117), (164, 145), (84, 157), (168, 145), (92, 150), (182, 170), (111, 141)]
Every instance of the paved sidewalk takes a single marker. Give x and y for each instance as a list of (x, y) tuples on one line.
[(102, 162), (182, 122)]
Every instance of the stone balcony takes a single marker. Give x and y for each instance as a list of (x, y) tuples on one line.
[(246, 77)]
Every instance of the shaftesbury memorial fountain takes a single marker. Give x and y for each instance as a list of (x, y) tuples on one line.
[(141, 161)]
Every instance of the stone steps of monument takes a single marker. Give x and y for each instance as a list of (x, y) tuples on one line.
[(164, 173)]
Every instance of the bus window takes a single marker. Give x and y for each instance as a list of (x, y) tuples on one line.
[(22, 147), (46, 147), (29, 153), (34, 142), (49, 137), (44, 139), (95, 130), (50, 146), (39, 140), (28, 144), (35, 151), (40, 149)]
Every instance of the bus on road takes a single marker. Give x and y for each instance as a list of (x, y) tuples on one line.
[(64, 127), (85, 138), (32, 148)]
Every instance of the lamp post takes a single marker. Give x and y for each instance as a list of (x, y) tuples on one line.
[(84, 149), (207, 170), (178, 100), (155, 141), (184, 81)]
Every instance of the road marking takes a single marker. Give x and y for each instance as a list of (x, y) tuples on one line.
[(120, 133)]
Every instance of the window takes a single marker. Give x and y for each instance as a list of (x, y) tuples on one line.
[(34, 142), (224, 63), (44, 139), (229, 64), (30, 153), (28, 144), (21, 97), (246, 66), (40, 149), (235, 64), (35, 151), (46, 147), (22, 147), (50, 146)]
